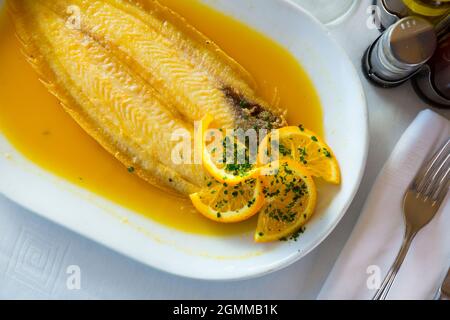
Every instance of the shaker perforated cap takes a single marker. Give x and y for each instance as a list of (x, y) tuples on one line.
[(412, 42)]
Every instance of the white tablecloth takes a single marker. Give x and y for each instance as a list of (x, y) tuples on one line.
[(50, 249)]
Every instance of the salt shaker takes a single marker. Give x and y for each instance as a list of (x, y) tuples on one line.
[(400, 52)]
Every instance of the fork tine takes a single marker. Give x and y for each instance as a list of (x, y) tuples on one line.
[(442, 190), (425, 171), (436, 178), (423, 177)]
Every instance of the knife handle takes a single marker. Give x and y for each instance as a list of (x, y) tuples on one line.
[(444, 290), (442, 296)]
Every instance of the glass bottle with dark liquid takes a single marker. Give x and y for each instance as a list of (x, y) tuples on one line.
[(433, 82), (440, 68)]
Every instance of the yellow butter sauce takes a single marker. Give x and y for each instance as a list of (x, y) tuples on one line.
[(38, 127)]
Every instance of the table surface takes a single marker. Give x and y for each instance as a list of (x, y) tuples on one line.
[(109, 275)]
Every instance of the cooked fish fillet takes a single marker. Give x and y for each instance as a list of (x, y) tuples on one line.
[(132, 73)]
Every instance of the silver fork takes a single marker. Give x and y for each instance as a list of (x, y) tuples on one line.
[(422, 201)]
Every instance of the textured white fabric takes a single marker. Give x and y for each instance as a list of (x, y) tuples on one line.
[(377, 237)]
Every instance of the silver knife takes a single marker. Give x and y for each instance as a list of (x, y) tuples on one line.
[(444, 292)]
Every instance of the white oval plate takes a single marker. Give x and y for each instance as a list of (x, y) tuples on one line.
[(228, 258)]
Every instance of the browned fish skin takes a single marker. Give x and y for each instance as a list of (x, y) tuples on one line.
[(134, 73)]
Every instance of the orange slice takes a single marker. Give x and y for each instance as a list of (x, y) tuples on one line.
[(290, 200), (226, 203), (232, 166), (306, 148)]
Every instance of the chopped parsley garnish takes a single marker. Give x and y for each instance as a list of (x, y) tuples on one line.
[(240, 170), (251, 202), (131, 169), (295, 236), (327, 153), (303, 155), (284, 151)]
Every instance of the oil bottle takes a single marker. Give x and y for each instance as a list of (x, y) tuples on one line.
[(432, 10)]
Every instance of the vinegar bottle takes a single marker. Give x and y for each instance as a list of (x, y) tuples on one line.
[(433, 84)]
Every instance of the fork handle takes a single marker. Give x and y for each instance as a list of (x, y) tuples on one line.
[(383, 291)]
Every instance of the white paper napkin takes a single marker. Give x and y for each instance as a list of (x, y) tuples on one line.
[(377, 237)]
